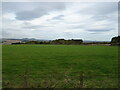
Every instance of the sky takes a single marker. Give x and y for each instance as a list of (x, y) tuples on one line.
[(95, 21)]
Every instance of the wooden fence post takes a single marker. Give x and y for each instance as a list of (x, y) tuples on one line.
[(25, 77), (81, 79)]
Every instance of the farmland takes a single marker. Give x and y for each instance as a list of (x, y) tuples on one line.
[(59, 66)]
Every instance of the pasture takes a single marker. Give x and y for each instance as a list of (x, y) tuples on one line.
[(59, 66)]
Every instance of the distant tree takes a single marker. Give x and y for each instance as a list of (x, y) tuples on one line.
[(58, 41), (115, 41), (33, 42), (16, 43), (67, 42)]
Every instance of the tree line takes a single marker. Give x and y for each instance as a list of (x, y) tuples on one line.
[(115, 41), (57, 41)]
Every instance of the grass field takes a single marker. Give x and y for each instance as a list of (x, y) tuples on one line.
[(59, 66)]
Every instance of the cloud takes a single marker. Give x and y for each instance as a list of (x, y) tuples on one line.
[(41, 10), (100, 8), (76, 26), (13, 33), (51, 20), (60, 17), (99, 30), (35, 27), (29, 15)]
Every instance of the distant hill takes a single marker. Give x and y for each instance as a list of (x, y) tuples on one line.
[(24, 39), (57, 41)]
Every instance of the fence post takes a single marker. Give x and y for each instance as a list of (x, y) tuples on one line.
[(81, 79), (25, 77)]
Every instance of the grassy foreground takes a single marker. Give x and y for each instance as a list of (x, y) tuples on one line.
[(59, 66)]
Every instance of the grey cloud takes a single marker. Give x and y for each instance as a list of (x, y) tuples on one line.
[(110, 17), (42, 9), (99, 30), (28, 11), (94, 33), (29, 15), (67, 34), (100, 17), (14, 33), (8, 32), (20, 6), (35, 26), (5, 33), (76, 26), (100, 8), (9, 7), (60, 17), (27, 25)]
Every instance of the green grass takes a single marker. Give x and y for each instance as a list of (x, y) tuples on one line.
[(62, 64)]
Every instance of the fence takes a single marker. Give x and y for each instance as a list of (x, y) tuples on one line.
[(81, 80)]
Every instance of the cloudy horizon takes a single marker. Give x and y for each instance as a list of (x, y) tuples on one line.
[(53, 20)]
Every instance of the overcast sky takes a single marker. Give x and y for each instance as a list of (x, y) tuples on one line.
[(88, 21)]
